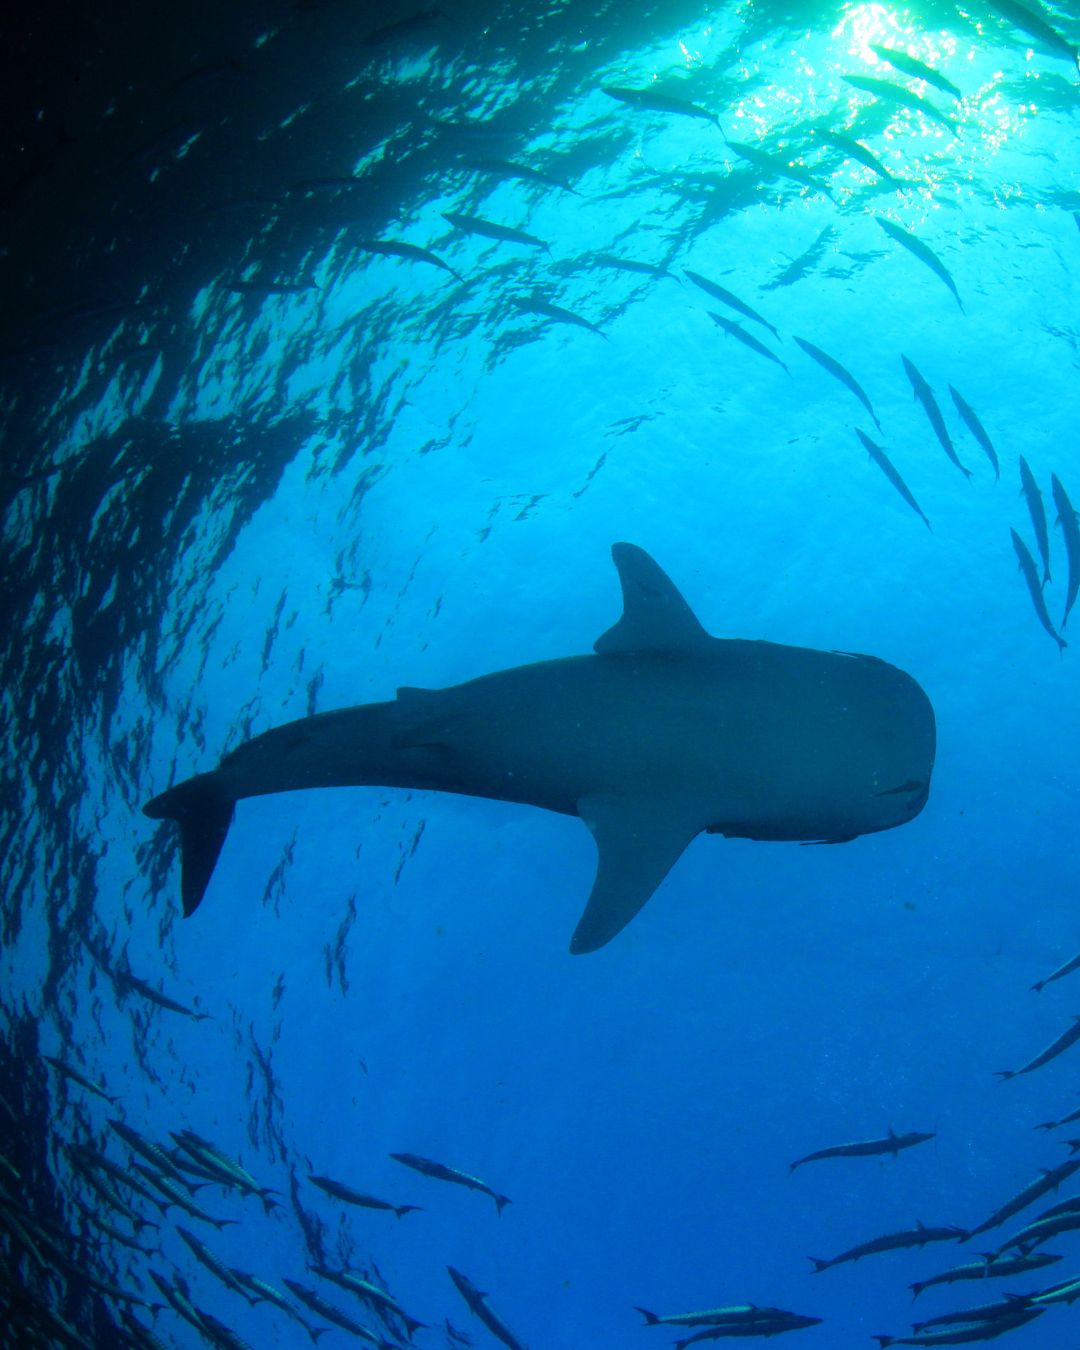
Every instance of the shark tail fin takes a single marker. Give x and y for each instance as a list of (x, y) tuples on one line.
[(204, 812)]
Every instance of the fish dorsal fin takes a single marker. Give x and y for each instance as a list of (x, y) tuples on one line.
[(638, 840), (655, 616)]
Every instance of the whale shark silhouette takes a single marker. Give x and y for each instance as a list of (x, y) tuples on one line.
[(664, 733)]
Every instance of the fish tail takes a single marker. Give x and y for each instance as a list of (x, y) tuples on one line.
[(883, 1341), (916, 1289), (1037, 988), (316, 1332), (501, 1201), (651, 1319), (399, 1210), (1047, 1125), (819, 1265), (1005, 1073), (203, 810)]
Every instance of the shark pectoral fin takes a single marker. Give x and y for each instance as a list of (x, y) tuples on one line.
[(655, 616), (638, 841)]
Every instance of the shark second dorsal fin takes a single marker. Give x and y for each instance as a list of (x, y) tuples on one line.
[(655, 616), (638, 841)]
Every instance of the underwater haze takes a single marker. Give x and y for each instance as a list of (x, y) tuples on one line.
[(339, 345)]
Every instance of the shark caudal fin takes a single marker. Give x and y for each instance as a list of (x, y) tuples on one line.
[(204, 811)]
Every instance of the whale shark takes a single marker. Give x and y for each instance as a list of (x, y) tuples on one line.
[(662, 734)]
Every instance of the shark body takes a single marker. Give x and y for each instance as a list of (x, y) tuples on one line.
[(662, 734)]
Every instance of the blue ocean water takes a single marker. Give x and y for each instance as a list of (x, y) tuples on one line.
[(258, 466)]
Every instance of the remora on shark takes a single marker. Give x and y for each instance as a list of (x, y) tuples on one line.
[(663, 734)]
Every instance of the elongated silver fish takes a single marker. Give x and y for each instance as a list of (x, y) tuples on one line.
[(1031, 576), (881, 459), (653, 100), (1066, 969), (489, 229), (918, 1236), (923, 252), (925, 396), (438, 1171), (736, 330), (867, 1148), (728, 298), (918, 70), (478, 1305), (898, 94), (1067, 1038), (971, 421), (1030, 20), (841, 373), (1069, 522), (340, 1191), (1037, 510)]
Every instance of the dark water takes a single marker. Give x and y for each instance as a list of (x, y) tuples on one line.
[(255, 468)]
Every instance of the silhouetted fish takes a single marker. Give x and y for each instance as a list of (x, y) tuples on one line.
[(912, 66), (508, 168), (1067, 1038), (736, 330), (440, 1172), (1047, 1180), (504, 234), (1037, 510), (1066, 969), (478, 1305), (77, 1077), (340, 1191), (925, 396), (1031, 576), (395, 249), (878, 455), (905, 98), (892, 1143), (726, 297), (654, 101), (1070, 530), (544, 309), (631, 265), (1030, 21), (777, 166), (918, 1236), (925, 255), (967, 412), (841, 373), (855, 150), (988, 1268)]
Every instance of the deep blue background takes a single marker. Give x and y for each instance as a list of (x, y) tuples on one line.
[(441, 505)]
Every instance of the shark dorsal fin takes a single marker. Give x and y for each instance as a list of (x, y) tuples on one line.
[(655, 616)]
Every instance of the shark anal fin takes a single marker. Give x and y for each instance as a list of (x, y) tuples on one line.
[(638, 840), (655, 616)]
